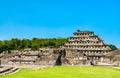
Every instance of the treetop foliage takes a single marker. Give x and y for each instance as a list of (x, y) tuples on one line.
[(113, 47), (35, 43)]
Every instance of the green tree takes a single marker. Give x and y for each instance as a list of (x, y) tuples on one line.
[(113, 47)]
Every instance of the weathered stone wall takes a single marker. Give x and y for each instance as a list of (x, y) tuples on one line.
[(112, 58), (40, 57), (73, 57), (51, 57)]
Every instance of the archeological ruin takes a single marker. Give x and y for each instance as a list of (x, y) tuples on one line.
[(84, 48)]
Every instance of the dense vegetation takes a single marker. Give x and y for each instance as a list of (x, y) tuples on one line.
[(67, 72), (35, 43)]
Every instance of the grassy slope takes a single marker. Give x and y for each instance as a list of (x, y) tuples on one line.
[(67, 72)]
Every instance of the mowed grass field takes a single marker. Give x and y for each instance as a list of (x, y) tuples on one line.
[(67, 72)]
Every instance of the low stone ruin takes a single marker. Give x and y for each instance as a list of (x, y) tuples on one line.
[(112, 58), (38, 57)]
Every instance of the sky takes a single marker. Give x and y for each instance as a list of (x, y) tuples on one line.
[(60, 18)]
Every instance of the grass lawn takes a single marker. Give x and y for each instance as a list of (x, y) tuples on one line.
[(67, 72)]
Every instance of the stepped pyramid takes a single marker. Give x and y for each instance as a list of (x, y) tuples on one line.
[(86, 43)]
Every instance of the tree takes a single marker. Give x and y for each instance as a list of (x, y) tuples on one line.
[(113, 47)]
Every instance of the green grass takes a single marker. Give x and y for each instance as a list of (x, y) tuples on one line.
[(67, 72)]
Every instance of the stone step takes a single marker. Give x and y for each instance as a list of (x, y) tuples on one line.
[(8, 71)]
